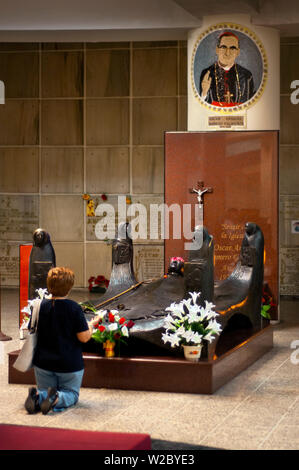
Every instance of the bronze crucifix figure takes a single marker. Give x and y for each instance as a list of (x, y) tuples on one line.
[(200, 191)]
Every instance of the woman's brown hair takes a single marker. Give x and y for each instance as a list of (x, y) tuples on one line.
[(60, 281)]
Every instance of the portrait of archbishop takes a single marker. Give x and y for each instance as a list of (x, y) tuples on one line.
[(228, 68)]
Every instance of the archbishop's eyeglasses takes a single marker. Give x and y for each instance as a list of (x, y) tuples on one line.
[(231, 48)]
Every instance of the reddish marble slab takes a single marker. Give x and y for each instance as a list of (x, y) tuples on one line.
[(242, 169), (164, 374)]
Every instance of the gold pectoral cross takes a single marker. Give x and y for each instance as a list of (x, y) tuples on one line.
[(228, 96)]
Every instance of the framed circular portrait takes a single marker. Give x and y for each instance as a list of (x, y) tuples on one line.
[(228, 68)]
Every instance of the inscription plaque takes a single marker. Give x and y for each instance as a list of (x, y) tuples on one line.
[(103, 224), (227, 122), (150, 213), (18, 217), (227, 249), (148, 262), (289, 215), (9, 264), (289, 268), (144, 213)]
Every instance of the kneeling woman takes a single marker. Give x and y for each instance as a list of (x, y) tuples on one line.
[(58, 362)]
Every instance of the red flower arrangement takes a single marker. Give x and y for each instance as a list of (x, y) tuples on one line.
[(98, 284), (177, 258), (111, 327), (268, 304)]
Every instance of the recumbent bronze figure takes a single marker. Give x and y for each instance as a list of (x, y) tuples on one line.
[(237, 299)]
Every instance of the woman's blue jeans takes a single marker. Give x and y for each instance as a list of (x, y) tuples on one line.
[(67, 384)]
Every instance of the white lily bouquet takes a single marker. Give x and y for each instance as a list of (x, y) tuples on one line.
[(27, 310), (189, 324)]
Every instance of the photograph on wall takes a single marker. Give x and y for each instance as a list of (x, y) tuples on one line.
[(228, 68)]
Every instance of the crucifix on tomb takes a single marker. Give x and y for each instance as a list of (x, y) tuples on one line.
[(200, 191)]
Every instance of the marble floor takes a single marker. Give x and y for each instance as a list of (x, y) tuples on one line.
[(259, 409)]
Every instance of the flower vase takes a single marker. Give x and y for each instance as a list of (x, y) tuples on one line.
[(192, 353), (109, 348)]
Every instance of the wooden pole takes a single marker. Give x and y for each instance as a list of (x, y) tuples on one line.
[(118, 295), (3, 337)]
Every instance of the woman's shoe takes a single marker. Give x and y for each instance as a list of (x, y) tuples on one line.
[(32, 402), (49, 402)]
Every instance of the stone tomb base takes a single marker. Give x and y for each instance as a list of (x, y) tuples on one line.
[(164, 374)]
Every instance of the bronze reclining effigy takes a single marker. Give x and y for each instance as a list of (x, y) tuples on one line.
[(237, 299)]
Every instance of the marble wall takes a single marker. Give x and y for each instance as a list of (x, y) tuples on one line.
[(289, 170), (84, 118), (90, 118)]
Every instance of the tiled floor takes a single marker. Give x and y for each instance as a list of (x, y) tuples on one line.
[(259, 409)]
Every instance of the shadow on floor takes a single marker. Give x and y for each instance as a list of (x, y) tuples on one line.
[(158, 444)]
